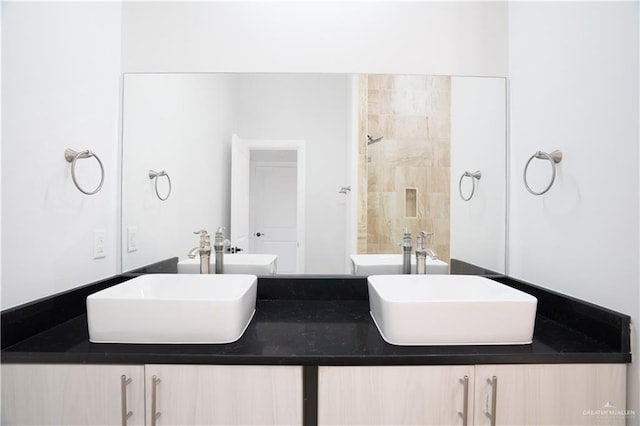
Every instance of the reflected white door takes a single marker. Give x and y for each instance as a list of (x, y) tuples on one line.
[(273, 204), (240, 234)]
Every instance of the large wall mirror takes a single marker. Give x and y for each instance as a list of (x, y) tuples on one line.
[(336, 165)]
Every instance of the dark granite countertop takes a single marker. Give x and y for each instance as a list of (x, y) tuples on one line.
[(315, 332), (292, 328)]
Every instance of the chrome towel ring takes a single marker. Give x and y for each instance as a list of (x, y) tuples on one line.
[(474, 176), (554, 158), (155, 175), (72, 156)]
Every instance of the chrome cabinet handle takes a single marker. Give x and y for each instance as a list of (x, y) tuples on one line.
[(154, 400), (493, 382), (465, 401), (124, 381)]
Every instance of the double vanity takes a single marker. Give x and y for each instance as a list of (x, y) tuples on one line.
[(432, 349)]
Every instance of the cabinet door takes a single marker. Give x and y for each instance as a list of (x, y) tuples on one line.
[(63, 394), (225, 394), (552, 394), (402, 395)]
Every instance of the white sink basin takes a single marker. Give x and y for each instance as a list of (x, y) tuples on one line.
[(255, 264), (450, 310), (383, 264), (173, 308)]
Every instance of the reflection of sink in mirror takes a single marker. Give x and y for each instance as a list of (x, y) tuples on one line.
[(256, 264), (384, 264), (450, 310), (173, 308)]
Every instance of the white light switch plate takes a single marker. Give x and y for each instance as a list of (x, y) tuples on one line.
[(132, 239), (99, 244)]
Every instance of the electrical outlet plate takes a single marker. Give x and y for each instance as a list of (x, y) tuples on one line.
[(99, 243), (132, 239)]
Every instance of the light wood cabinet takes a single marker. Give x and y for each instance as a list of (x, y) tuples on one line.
[(224, 394), (398, 395), (551, 394), (66, 394), (533, 394), (522, 394)]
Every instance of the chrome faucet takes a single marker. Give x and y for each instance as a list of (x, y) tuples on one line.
[(430, 252), (421, 254), (204, 250), (406, 252), (220, 245)]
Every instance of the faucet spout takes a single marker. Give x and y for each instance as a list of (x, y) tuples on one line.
[(194, 252)]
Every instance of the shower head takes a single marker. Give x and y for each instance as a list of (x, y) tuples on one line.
[(371, 141)]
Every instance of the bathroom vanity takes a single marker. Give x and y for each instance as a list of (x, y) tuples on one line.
[(312, 355)]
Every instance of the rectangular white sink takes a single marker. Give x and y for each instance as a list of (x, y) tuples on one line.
[(383, 264), (450, 310), (173, 308), (240, 263)]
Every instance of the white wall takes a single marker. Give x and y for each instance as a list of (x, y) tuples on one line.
[(180, 123), (60, 81), (574, 86), (459, 38), (478, 142), (313, 108)]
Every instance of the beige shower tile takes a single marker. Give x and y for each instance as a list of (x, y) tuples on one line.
[(412, 177), (438, 180), (438, 83), (378, 125), (439, 127), (373, 102), (411, 82), (408, 127), (381, 81), (441, 152), (409, 102)]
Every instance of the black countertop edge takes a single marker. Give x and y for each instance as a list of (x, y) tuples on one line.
[(360, 360)]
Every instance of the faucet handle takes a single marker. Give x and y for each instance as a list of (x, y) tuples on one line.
[(200, 232)]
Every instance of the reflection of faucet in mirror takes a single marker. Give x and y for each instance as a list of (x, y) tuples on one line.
[(421, 254), (406, 252), (204, 250), (219, 245), (422, 251)]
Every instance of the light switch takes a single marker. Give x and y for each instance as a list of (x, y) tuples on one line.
[(99, 243), (132, 239)]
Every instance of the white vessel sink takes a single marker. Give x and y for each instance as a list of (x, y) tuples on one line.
[(173, 308), (383, 264), (255, 264), (450, 310)]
